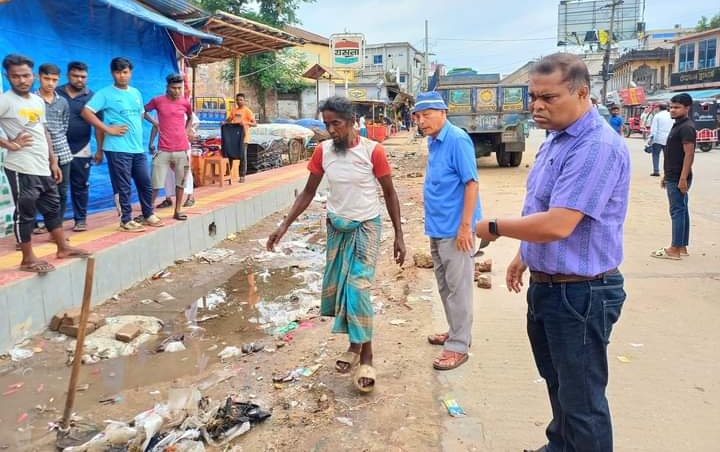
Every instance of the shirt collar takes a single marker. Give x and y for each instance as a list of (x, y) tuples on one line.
[(55, 96), (684, 119), (443, 132), (582, 123), (84, 92)]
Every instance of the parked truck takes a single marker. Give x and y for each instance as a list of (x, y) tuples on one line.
[(494, 115)]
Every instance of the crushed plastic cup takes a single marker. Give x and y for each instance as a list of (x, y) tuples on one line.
[(20, 354)]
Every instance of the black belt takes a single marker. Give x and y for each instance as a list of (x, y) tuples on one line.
[(540, 277)]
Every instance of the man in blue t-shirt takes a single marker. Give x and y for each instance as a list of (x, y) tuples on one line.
[(616, 121), (122, 109), (452, 207)]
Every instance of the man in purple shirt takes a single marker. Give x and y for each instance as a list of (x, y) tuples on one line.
[(572, 241)]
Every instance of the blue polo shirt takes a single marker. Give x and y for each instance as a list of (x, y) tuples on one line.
[(616, 122), (121, 107), (450, 165)]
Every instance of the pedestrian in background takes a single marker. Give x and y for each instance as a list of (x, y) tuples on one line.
[(571, 233), (616, 121), (57, 114), (679, 157), (452, 207), (77, 94), (659, 130), (354, 166), (241, 115)]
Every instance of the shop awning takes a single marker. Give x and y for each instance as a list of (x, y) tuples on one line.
[(318, 71), (241, 37)]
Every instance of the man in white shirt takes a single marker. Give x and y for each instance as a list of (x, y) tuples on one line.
[(659, 130)]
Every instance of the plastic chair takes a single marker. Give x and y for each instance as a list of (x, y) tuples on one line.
[(218, 166)]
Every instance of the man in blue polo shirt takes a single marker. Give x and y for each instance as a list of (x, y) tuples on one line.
[(122, 108), (452, 207)]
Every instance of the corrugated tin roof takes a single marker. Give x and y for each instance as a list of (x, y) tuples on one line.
[(177, 9)]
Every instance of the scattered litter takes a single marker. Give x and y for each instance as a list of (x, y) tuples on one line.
[(13, 388), (453, 408), (422, 260), (147, 301), (163, 297), (232, 236), (321, 197), (252, 348), (40, 388), (624, 359), (403, 220), (161, 274), (183, 260), (379, 308), (305, 324), (308, 371), (212, 348), (286, 329), (427, 291), (539, 380), (68, 322), (82, 387), (408, 204), (154, 393), (288, 337), (22, 418), (213, 255), (398, 322), (345, 420), (229, 352), (637, 345), (110, 400), (172, 344), (19, 354)]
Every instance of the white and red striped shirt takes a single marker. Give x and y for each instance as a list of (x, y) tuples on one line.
[(352, 176)]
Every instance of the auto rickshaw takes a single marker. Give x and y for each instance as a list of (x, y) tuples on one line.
[(633, 123)]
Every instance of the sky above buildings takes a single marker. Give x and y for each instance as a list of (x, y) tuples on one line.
[(487, 35)]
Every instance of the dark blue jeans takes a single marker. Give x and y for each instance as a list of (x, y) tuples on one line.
[(657, 149), (679, 214), (79, 177), (569, 327), (125, 167)]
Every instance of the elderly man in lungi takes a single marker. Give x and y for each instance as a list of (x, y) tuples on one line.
[(354, 166)]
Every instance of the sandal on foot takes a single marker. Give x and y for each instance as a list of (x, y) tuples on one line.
[(449, 360), (37, 267), (40, 230), (189, 202), (79, 227), (367, 372), (438, 339), (76, 253), (663, 254), (167, 202), (350, 359), (180, 216)]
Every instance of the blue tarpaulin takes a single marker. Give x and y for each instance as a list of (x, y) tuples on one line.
[(96, 31)]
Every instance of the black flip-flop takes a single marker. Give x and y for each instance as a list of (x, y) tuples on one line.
[(180, 216), (167, 202)]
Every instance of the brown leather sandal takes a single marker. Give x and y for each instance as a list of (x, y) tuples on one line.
[(449, 360), (438, 339)]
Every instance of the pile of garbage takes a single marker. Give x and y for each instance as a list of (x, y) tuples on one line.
[(186, 423)]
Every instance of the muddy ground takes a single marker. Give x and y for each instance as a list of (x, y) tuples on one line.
[(664, 395)]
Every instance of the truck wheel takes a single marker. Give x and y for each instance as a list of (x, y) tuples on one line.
[(705, 147), (502, 157), (515, 158)]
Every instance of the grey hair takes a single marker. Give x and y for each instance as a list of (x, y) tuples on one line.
[(339, 105), (574, 71)]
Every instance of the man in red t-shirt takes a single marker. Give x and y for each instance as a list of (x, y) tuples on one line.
[(174, 121)]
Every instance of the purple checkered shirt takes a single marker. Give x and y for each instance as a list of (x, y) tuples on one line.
[(586, 168)]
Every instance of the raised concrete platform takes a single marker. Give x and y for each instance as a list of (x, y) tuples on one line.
[(28, 301)]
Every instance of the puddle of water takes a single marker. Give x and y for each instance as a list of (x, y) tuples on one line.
[(273, 289)]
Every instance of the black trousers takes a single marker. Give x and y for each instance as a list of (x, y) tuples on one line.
[(31, 194)]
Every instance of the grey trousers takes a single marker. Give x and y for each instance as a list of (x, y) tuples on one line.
[(454, 273)]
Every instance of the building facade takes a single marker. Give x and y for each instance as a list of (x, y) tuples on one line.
[(401, 59), (697, 61), (647, 69)]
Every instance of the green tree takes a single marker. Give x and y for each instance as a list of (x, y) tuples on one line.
[(708, 24), (271, 12), (277, 71)]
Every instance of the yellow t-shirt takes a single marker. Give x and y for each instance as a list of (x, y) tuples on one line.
[(242, 115)]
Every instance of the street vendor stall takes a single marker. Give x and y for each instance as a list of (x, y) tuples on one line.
[(375, 112)]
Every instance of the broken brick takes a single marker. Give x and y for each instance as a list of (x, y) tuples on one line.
[(128, 332)]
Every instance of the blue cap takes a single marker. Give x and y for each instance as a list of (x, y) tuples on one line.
[(431, 100)]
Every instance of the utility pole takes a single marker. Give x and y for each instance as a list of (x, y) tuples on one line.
[(608, 48), (425, 60)]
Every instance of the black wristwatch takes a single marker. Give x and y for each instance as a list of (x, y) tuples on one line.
[(493, 228)]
